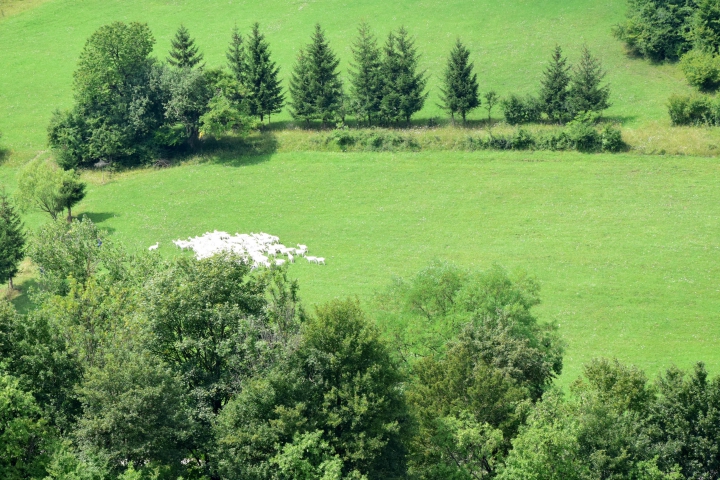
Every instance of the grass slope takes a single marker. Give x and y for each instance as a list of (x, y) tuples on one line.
[(626, 247), (511, 41)]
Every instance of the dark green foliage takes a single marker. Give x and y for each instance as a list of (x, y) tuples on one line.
[(685, 420), (518, 110), (117, 105), (586, 92), (704, 32), (184, 52), (72, 192), (554, 92), (236, 56), (460, 87), (694, 109), (701, 69), (337, 394), (12, 240), (133, 411), (264, 93), (404, 93), (366, 78), (656, 28), (25, 439), (187, 93), (315, 86)]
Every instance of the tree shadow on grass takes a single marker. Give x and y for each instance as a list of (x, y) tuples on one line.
[(4, 155), (22, 299), (98, 217), (240, 151)]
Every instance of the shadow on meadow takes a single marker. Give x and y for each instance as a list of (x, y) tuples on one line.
[(239, 151), (4, 155), (98, 217)]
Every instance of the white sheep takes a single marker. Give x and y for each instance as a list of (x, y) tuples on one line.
[(320, 260), (311, 259), (154, 247)]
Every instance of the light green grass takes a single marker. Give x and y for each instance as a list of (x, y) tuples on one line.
[(510, 40), (626, 247)]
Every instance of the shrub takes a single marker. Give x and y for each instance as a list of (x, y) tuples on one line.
[(522, 140), (611, 139), (582, 135), (519, 110), (701, 69), (694, 109)]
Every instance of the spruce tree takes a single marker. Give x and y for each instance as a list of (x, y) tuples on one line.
[(302, 105), (404, 87), (554, 92), (316, 81), (184, 52), (236, 56), (586, 93), (460, 91), (12, 240), (265, 95), (366, 75)]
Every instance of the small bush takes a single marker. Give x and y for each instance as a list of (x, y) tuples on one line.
[(694, 109), (701, 69), (611, 139), (523, 140), (518, 110), (582, 135)]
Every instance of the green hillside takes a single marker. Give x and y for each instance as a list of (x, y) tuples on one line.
[(511, 41)]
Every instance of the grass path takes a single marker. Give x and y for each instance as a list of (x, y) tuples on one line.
[(626, 247)]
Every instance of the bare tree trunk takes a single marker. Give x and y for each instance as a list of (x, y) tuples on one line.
[(12, 287), (69, 217)]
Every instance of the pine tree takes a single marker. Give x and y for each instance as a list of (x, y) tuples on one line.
[(184, 52), (586, 93), (404, 88), (366, 75), (261, 79), (554, 92), (302, 103), (12, 240), (460, 92), (316, 88), (236, 56)]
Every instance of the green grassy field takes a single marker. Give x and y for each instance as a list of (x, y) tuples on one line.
[(511, 41), (626, 247)]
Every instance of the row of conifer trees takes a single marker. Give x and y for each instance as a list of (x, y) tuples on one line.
[(386, 84)]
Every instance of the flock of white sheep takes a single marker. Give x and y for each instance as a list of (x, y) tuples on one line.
[(261, 249)]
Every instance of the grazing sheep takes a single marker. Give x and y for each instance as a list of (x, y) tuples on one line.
[(291, 259), (154, 247), (311, 259), (320, 260)]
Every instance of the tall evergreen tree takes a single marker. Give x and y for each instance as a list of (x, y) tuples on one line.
[(301, 99), (404, 90), (236, 56), (460, 92), (366, 75), (184, 52), (586, 93), (554, 92), (12, 240), (265, 95), (315, 87)]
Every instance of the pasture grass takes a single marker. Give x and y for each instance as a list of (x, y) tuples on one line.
[(510, 40), (625, 246)]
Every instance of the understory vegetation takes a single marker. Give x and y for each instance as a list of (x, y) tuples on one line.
[(134, 367)]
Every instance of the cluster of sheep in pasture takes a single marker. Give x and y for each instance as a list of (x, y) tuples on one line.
[(257, 248)]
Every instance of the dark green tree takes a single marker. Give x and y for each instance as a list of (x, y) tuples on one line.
[(236, 56), (188, 93), (117, 100), (366, 79), (72, 192), (183, 52), (12, 240), (404, 89), (334, 403), (261, 81), (587, 94), (705, 26), (459, 93), (317, 79), (554, 91), (301, 98)]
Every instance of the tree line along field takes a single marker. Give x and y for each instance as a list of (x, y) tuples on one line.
[(510, 44)]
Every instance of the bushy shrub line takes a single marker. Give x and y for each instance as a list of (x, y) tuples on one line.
[(578, 135)]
